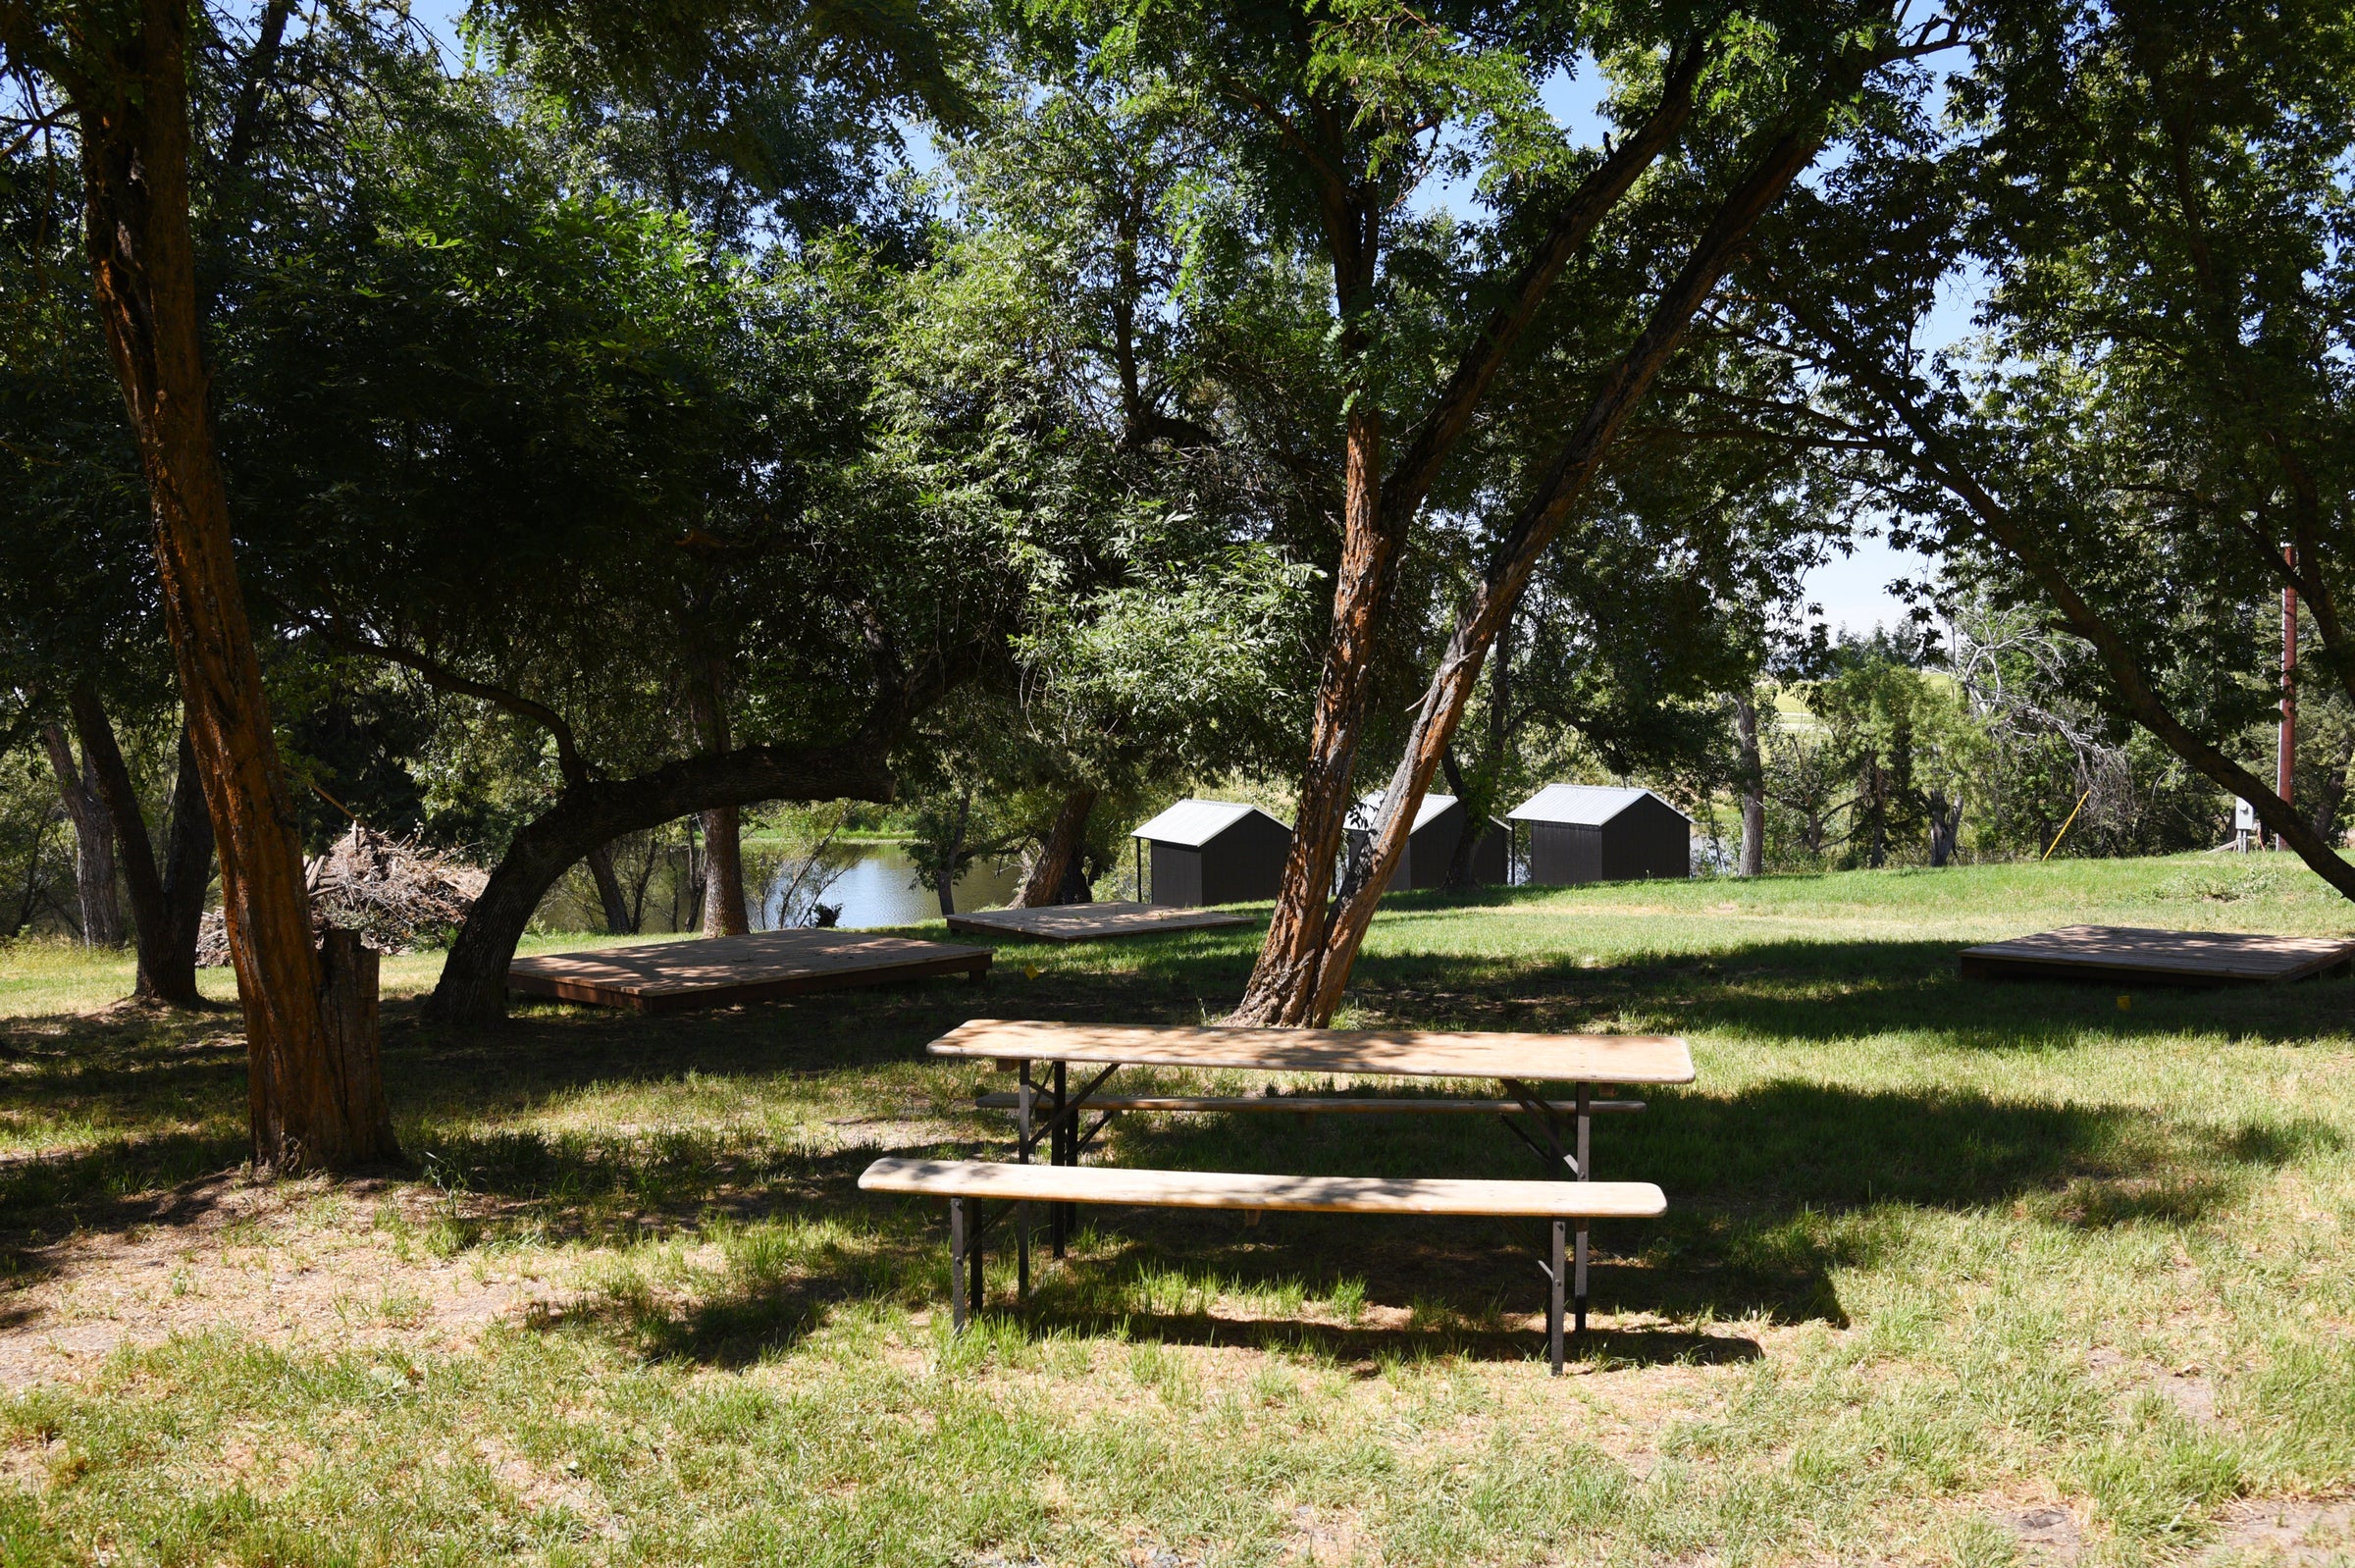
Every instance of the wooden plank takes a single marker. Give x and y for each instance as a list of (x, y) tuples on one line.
[(1308, 1104), (2155, 957), (1411, 1053), (1091, 923), (1225, 1189), (671, 976)]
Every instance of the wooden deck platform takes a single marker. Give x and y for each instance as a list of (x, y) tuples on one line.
[(1091, 923), (672, 977), (2114, 953)]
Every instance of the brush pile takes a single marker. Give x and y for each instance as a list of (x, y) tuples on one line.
[(397, 893)]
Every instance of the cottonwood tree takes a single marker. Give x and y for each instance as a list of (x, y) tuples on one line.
[(705, 485), (1096, 280), (2157, 194), (121, 75), (1343, 112), (81, 635), (747, 118)]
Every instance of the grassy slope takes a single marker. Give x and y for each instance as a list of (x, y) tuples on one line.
[(1941, 1258)]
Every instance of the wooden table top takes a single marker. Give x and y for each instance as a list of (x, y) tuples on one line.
[(1406, 1053)]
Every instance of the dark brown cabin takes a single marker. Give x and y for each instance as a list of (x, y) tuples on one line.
[(1596, 833), (1214, 852), (1431, 843)]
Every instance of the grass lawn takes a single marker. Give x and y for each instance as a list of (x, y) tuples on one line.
[(1951, 1272)]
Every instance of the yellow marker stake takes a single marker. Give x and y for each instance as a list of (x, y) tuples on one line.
[(2065, 827)]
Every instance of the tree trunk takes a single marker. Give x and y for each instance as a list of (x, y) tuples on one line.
[(166, 973), (1309, 991), (1476, 820), (724, 913), (946, 887), (618, 920), (1053, 873), (187, 883), (596, 812), (1754, 788), (93, 844), (1376, 514), (1283, 982), (315, 1097), (1946, 827)]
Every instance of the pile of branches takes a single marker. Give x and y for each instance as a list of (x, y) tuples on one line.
[(397, 893)]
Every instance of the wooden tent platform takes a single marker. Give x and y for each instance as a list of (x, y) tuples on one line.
[(1091, 923), (672, 977), (2109, 952)]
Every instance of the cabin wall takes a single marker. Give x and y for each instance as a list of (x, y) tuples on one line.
[(1177, 875), (1245, 864), (1648, 840), (1564, 853)]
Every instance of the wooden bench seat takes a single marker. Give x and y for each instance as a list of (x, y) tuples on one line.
[(965, 1182), (1306, 1104)]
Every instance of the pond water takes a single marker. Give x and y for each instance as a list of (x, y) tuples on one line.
[(871, 885), (876, 886)]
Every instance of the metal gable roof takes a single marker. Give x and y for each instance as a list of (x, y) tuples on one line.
[(1365, 813), (1581, 805), (1193, 823)]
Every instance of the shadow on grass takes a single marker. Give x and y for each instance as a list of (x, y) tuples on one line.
[(1819, 992), (1771, 1191)]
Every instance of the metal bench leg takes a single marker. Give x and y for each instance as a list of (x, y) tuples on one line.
[(1059, 1224), (1021, 1212), (1585, 1173), (973, 1258), (1553, 1302), (957, 1263)]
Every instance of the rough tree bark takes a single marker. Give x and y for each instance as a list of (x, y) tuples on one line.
[(1501, 725), (724, 913), (946, 887), (1753, 787), (93, 843), (591, 811), (1377, 513), (619, 921), (188, 876), (167, 963), (1055, 876), (315, 1093), (1533, 529), (1946, 827)]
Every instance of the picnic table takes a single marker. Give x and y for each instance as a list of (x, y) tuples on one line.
[(1559, 1128)]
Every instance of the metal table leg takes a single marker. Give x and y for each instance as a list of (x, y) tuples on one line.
[(1553, 1302), (957, 1263)]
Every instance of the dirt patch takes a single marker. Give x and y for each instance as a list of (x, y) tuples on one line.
[(285, 1263), (2045, 1534), (2295, 1532), (2187, 1387)]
